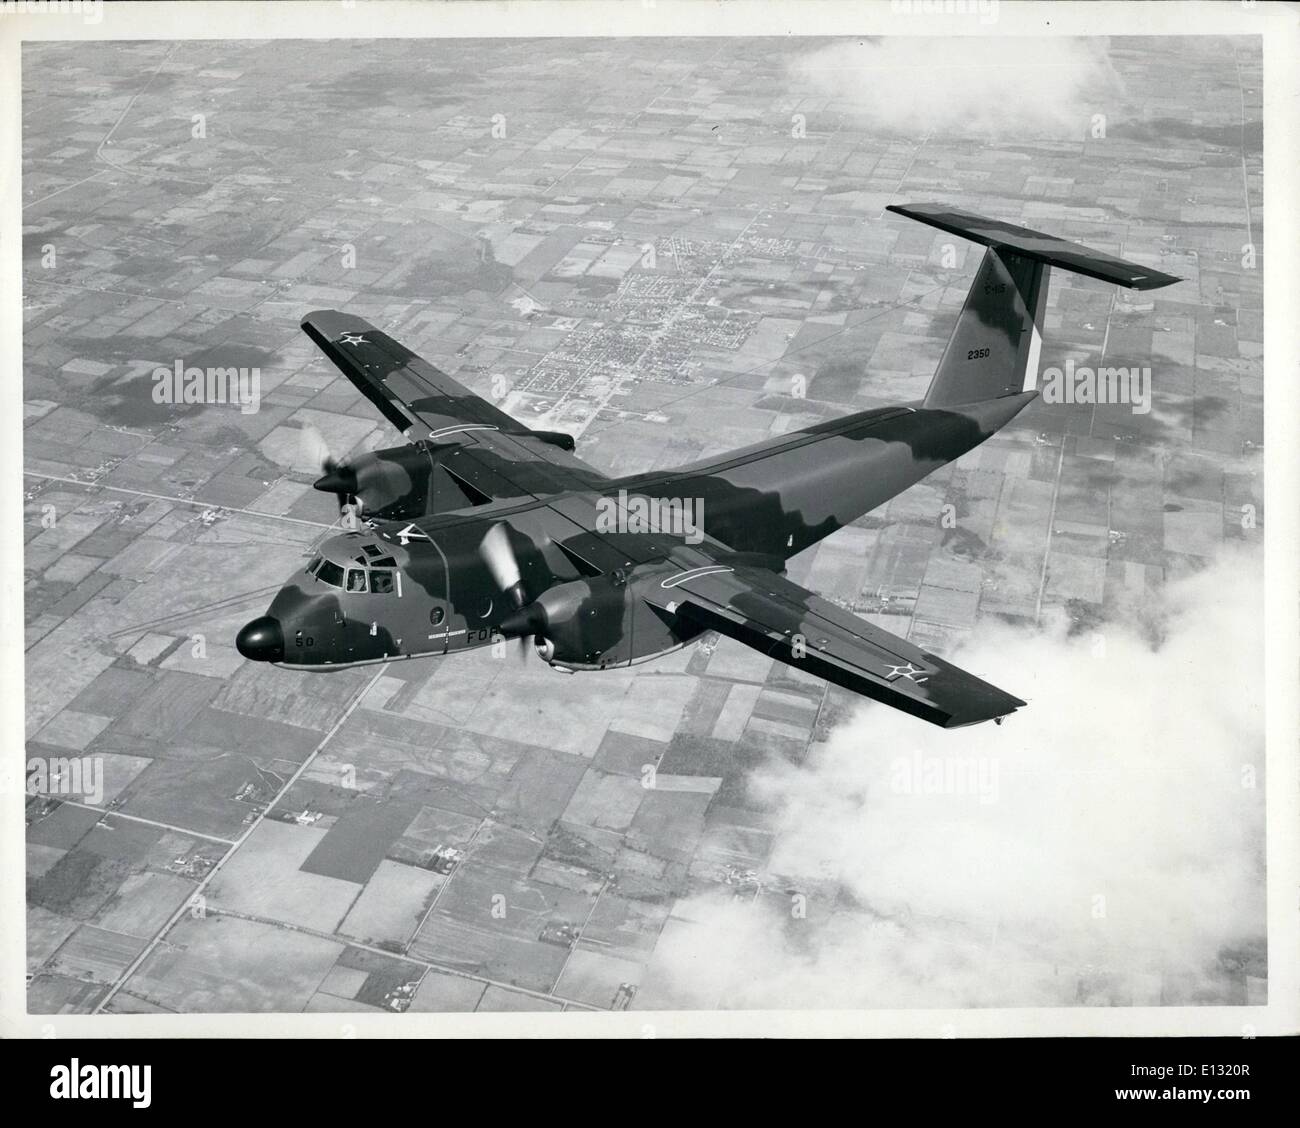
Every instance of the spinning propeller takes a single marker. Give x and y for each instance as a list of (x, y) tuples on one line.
[(338, 478), (527, 619)]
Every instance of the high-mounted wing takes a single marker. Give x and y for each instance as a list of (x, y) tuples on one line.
[(780, 618), (425, 403)]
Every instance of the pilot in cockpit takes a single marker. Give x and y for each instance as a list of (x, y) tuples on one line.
[(371, 571)]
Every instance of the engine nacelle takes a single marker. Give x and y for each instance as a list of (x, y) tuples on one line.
[(592, 624), (580, 624), (402, 482)]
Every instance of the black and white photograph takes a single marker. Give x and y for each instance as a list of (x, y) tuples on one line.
[(657, 516)]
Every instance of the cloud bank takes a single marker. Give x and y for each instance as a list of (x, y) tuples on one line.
[(1116, 858), (1001, 88)]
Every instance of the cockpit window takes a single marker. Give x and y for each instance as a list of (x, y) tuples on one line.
[(381, 583), (371, 549), (330, 573), (385, 562), (356, 579), (315, 563)]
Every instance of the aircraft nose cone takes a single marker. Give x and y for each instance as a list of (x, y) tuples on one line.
[(261, 640)]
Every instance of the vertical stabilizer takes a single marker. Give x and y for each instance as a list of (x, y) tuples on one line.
[(994, 348)]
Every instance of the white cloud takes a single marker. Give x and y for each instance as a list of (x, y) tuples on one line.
[(1005, 88), (1122, 780)]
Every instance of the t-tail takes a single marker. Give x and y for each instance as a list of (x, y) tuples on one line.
[(994, 348), (789, 491)]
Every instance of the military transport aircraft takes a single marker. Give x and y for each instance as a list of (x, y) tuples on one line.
[(480, 529)]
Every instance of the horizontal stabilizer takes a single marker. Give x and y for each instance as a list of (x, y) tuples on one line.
[(1047, 249)]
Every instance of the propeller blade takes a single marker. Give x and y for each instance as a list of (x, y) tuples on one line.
[(499, 556), (313, 449), (337, 478)]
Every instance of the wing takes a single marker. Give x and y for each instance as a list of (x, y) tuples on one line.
[(425, 403), (766, 611)]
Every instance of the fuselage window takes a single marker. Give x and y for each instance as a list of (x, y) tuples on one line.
[(436, 616), (356, 579), (381, 583), (330, 573)]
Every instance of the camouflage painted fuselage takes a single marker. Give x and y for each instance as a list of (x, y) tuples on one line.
[(482, 527), (768, 501)]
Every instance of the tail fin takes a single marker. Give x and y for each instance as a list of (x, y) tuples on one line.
[(993, 351)]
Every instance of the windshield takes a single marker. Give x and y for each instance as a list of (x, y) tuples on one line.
[(370, 571)]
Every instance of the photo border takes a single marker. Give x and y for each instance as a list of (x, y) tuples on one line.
[(1279, 29)]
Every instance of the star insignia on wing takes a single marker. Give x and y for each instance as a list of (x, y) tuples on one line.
[(353, 339), (906, 671)]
